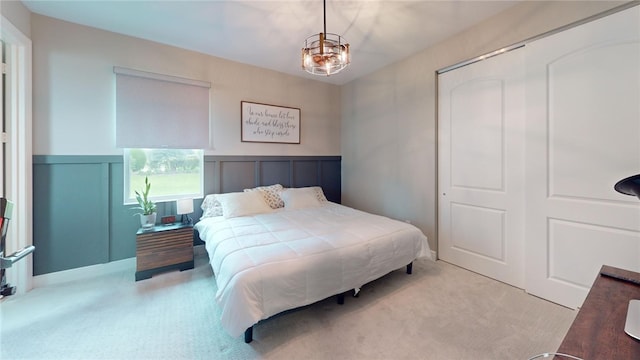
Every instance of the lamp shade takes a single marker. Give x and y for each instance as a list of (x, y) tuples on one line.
[(629, 186), (184, 206)]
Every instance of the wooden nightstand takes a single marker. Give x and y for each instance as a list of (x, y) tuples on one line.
[(163, 248)]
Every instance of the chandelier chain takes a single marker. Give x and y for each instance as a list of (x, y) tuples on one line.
[(324, 12)]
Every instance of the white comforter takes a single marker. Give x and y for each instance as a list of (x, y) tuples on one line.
[(265, 264)]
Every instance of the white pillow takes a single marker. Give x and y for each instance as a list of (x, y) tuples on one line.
[(300, 198), (242, 204)]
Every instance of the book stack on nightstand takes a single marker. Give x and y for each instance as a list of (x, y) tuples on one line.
[(163, 248)]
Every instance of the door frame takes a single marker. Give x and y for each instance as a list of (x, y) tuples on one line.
[(18, 157)]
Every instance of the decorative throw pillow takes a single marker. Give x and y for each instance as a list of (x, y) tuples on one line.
[(243, 204), (271, 195), (319, 193), (211, 206), (300, 198)]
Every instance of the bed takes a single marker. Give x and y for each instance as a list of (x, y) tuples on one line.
[(274, 249)]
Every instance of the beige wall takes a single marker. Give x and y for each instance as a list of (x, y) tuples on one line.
[(18, 15), (73, 93), (389, 117)]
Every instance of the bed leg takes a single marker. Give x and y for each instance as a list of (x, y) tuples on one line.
[(410, 268), (340, 298), (248, 335)]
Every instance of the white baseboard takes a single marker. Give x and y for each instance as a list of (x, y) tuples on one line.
[(93, 271), (85, 272)]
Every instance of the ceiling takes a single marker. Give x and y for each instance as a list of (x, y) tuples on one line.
[(269, 34)]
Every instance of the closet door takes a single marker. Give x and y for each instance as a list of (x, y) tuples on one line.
[(480, 167), (583, 135)]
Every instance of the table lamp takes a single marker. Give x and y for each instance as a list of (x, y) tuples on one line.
[(631, 186), (184, 207)]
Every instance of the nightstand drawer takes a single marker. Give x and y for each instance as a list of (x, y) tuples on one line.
[(163, 248), (163, 257)]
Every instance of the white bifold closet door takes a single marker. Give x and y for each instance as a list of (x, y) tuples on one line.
[(583, 135), (480, 167)]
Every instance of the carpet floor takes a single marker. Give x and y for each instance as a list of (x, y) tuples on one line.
[(439, 312)]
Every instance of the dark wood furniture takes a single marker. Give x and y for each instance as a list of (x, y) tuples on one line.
[(598, 330), (163, 248)]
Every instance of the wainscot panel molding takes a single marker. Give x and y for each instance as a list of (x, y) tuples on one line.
[(79, 219)]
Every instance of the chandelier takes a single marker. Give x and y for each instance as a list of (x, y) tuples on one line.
[(325, 53)]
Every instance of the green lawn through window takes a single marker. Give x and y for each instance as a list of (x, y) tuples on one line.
[(167, 184)]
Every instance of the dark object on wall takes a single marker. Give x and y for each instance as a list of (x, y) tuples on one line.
[(6, 208), (629, 186)]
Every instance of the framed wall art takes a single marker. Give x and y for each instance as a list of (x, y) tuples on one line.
[(269, 123)]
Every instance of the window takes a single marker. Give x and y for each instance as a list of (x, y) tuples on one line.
[(173, 173), (160, 119)]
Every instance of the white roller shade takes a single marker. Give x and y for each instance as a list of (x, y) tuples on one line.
[(160, 111)]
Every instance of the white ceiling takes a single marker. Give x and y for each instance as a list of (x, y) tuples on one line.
[(270, 34)]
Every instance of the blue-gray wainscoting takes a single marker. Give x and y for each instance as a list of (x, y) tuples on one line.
[(78, 215)]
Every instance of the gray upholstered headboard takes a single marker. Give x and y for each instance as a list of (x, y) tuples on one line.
[(225, 174)]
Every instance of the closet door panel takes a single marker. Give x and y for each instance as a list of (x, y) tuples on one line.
[(583, 135), (581, 110), (480, 167)]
